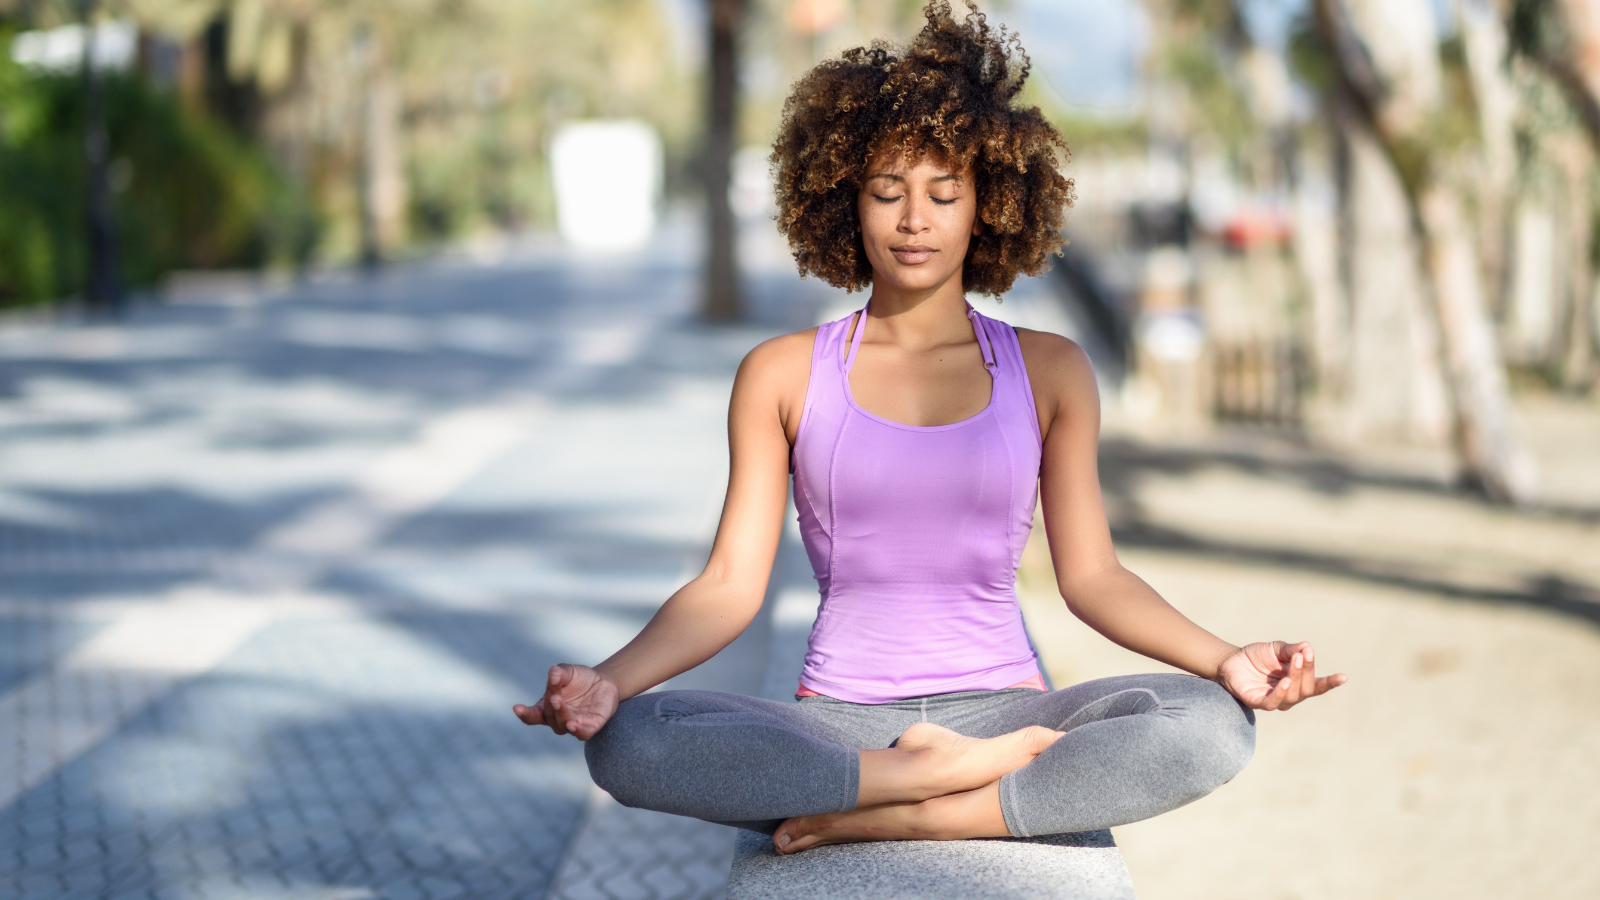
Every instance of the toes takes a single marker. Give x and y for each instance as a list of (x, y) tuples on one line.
[(792, 837)]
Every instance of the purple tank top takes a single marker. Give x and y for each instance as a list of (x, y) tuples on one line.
[(915, 533)]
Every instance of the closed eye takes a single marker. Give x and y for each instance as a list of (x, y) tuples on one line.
[(882, 199)]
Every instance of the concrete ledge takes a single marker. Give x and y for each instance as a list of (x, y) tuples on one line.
[(1082, 866)]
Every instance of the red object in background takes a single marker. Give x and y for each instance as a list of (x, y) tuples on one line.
[(1251, 228), (813, 17)]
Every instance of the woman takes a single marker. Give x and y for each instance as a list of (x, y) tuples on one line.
[(920, 434)]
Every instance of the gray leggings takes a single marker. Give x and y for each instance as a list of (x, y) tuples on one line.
[(1136, 746)]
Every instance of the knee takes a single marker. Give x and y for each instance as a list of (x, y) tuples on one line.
[(633, 758), (621, 755), (1222, 736)]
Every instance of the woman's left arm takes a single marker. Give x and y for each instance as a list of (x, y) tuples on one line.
[(1107, 597)]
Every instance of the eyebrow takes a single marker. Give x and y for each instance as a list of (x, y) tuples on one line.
[(950, 177)]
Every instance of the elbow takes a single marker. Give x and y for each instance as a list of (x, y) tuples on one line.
[(739, 597), (1083, 590)]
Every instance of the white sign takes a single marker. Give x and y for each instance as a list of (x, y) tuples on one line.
[(607, 180), (116, 45)]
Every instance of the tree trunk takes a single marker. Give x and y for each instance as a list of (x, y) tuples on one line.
[(1395, 386), (1531, 308), (1316, 251), (381, 182), (385, 170), (1483, 38), (1574, 63), (1485, 433), (722, 301), (1577, 356), (1392, 73), (103, 288)]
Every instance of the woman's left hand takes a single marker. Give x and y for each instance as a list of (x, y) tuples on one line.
[(1274, 675)]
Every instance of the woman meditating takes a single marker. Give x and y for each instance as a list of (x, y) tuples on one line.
[(920, 434)]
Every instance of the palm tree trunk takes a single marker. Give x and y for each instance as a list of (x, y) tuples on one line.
[(1484, 431), (722, 301), (1381, 61)]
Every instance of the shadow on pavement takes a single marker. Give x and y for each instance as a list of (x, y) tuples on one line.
[(1124, 463)]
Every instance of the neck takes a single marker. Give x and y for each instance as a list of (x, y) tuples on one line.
[(921, 317)]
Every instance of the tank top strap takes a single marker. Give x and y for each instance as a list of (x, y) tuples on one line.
[(1010, 372), (826, 370), (985, 339), (860, 319)]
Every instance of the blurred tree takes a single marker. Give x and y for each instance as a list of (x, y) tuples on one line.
[(726, 19), (103, 289), (191, 193), (431, 117), (1562, 37), (1386, 61)]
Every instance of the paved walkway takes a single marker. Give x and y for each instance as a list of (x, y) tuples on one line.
[(276, 562)]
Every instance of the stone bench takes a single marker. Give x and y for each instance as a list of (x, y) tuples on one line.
[(1082, 866)]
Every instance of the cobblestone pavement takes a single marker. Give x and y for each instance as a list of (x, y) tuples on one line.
[(274, 564)]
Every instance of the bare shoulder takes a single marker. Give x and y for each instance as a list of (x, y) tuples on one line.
[(1054, 362), (1061, 377), (777, 361), (773, 378)]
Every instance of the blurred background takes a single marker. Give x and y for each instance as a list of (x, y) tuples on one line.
[(1334, 260)]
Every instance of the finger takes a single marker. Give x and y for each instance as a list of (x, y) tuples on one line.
[(1284, 651), (1276, 695), (1317, 686), (1291, 682), (558, 676), (1308, 675), (530, 715), (1329, 682), (558, 715)]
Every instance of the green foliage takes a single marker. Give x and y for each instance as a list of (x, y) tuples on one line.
[(188, 193), (1219, 103), (1128, 135), (1308, 55), (1533, 29)]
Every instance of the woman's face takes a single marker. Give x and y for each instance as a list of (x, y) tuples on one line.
[(916, 222)]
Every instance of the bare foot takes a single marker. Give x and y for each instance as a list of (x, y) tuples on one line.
[(952, 817), (930, 761)]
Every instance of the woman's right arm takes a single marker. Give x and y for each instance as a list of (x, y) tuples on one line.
[(706, 614)]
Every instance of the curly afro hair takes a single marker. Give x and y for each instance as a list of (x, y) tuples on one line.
[(948, 94)]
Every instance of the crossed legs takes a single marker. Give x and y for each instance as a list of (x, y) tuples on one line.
[(975, 764)]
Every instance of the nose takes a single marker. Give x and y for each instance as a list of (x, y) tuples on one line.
[(915, 218)]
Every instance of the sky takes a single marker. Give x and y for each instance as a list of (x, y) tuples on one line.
[(1088, 51)]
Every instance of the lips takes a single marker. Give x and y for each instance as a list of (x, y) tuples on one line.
[(912, 254)]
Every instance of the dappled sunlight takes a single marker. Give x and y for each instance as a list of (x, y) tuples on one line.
[(418, 498)]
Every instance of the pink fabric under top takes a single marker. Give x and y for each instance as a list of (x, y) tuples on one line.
[(915, 533)]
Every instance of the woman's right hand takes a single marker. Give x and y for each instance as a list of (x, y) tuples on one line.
[(577, 700)]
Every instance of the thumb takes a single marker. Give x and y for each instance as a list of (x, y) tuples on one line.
[(530, 715)]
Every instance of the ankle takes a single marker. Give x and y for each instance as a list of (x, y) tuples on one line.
[(958, 816)]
